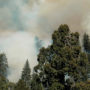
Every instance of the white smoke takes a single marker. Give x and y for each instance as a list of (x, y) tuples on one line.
[(19, 46), (22, 20)]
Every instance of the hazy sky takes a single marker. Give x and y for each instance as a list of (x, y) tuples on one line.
[(23, 20)]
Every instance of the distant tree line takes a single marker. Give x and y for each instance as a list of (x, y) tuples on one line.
[(61, 66)]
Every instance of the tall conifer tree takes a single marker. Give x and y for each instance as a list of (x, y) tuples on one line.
[(3, 65), (26, 77), (86, 42), (64, 57)]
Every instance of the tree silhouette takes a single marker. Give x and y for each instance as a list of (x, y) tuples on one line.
[(26, 77)]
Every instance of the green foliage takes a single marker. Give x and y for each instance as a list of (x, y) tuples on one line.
[(3, 65), (26, 77), (36, 84), (86, 42), (56, 86), (82, 86), (88, 54), (63, 57), (3, 83), (3, 72), (10, 86), (21, 86)]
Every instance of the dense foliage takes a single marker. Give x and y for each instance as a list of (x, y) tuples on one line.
[(21, 86), (82, 86), (3, 65), (61, 59), (61, 66), (26, 75), (86, 43)]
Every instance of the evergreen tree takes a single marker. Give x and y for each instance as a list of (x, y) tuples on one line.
[(36, 83), (21, 86), (26, 77), (3, 83), (64, 57), (3, 65), (86, 43)]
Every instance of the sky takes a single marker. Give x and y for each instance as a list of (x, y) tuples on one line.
[(26, 23)]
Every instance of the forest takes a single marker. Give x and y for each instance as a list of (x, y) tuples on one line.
[(63, 65)]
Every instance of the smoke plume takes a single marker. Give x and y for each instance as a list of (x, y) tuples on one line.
[(23, 20)]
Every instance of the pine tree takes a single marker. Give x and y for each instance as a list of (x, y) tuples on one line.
[(64, 57), (3, 65), (26, 77), (86, 43)]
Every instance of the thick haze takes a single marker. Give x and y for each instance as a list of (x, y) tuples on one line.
[(21, 21)]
